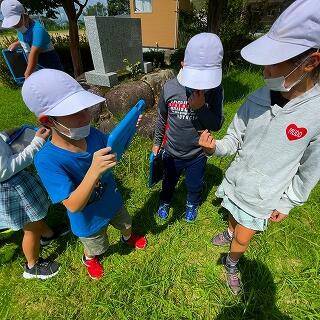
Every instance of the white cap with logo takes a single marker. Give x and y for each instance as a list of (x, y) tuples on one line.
[(202, 67), (55, 93), (11, 11), (295, 31)]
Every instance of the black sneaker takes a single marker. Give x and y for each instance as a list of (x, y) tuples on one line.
[(43, 269), (58, 231)]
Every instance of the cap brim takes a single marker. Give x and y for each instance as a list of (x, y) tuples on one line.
[(10, 22), (200, 79), (76, 102), (266, 51)]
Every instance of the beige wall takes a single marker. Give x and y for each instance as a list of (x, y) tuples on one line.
[(160, 25)]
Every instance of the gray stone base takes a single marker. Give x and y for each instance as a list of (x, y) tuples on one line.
[(102, 79), (147, 67)]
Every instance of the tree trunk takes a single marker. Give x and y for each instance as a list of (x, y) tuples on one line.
[(215, 10), (71, 13)]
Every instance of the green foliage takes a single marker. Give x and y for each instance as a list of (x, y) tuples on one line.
[(133, 68), (62, 46), (118, 7), (6, 78), (190, 23), (176, 58), (234, 29), (97, 9), (156, 57)]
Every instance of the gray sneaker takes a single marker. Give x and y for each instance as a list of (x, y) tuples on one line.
[(43, 269), (222, 239), (232, 275)]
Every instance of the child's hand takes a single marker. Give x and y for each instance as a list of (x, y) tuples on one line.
[(155, 149), (43, 133), (139, 120), (13, 46), (197, 99), (102, 161), (277, 216), (207, 142)]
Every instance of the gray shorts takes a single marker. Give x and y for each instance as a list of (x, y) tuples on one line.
[(98, 243)]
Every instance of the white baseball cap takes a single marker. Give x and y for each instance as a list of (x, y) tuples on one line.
[(202, 67), (11, 11), (55, 93), (295, 31)]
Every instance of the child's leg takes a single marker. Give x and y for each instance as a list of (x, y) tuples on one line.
[(195, 170), (170, 179), (123, 222), (95, 246), (240, 242), (31, 241)]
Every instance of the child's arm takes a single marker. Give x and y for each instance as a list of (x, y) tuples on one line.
[(230, 143), (101, 162), (304, 181), (13, 163), (210, 110), (160, 124), (32, 60)]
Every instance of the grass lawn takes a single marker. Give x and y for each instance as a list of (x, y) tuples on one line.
[(178, 276)]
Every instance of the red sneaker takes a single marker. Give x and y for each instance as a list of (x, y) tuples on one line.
[(94, 268), (136, 241)]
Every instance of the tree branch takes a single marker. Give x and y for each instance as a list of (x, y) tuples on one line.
[(81, 7)]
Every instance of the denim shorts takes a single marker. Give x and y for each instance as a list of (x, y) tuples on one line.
[(241, 216)]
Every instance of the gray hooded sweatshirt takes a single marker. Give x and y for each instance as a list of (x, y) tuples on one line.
[(277, 161)]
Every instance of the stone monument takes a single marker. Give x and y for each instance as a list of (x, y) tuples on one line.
[(111, 40)]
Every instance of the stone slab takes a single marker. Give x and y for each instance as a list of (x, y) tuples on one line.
[(109, 79)]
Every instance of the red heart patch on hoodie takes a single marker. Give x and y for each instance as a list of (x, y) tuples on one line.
[(294, 132)]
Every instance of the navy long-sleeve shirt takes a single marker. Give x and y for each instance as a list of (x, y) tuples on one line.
[(177, 124)]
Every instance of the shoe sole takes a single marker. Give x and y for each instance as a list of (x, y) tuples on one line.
[(45, 243), (27, 275), (221, 245)]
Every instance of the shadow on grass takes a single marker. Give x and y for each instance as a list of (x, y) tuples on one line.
[(234, 89), (145, 220), (258, 298)]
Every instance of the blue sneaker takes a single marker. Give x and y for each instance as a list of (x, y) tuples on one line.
[(191, 212), (163, 210)]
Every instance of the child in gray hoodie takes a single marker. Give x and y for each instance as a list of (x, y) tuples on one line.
[(275, 134)]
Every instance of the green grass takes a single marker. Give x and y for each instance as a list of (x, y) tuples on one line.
[(178, 276)]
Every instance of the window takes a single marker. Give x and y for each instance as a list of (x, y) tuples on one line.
[(142, 6)]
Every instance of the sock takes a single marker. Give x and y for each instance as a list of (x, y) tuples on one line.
[(230, 233), (31, 265), (87, 258), (126, 238), (231, 263)]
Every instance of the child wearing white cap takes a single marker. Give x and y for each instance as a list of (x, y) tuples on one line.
[(24, 203), (72, 165), (32, 37), (275, 133), (189, 104)]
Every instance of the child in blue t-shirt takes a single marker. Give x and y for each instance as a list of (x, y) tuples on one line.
[(72, 165), (32, 37)]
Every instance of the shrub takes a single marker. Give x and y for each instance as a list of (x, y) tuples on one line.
[(156, 57), (61, 45), (6, 78), (176, 58)]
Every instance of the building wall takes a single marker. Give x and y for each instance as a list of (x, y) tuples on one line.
[(160, 25)]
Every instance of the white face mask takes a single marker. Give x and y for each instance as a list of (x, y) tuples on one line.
[(278, 84), (23, 28), (74, 133)]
